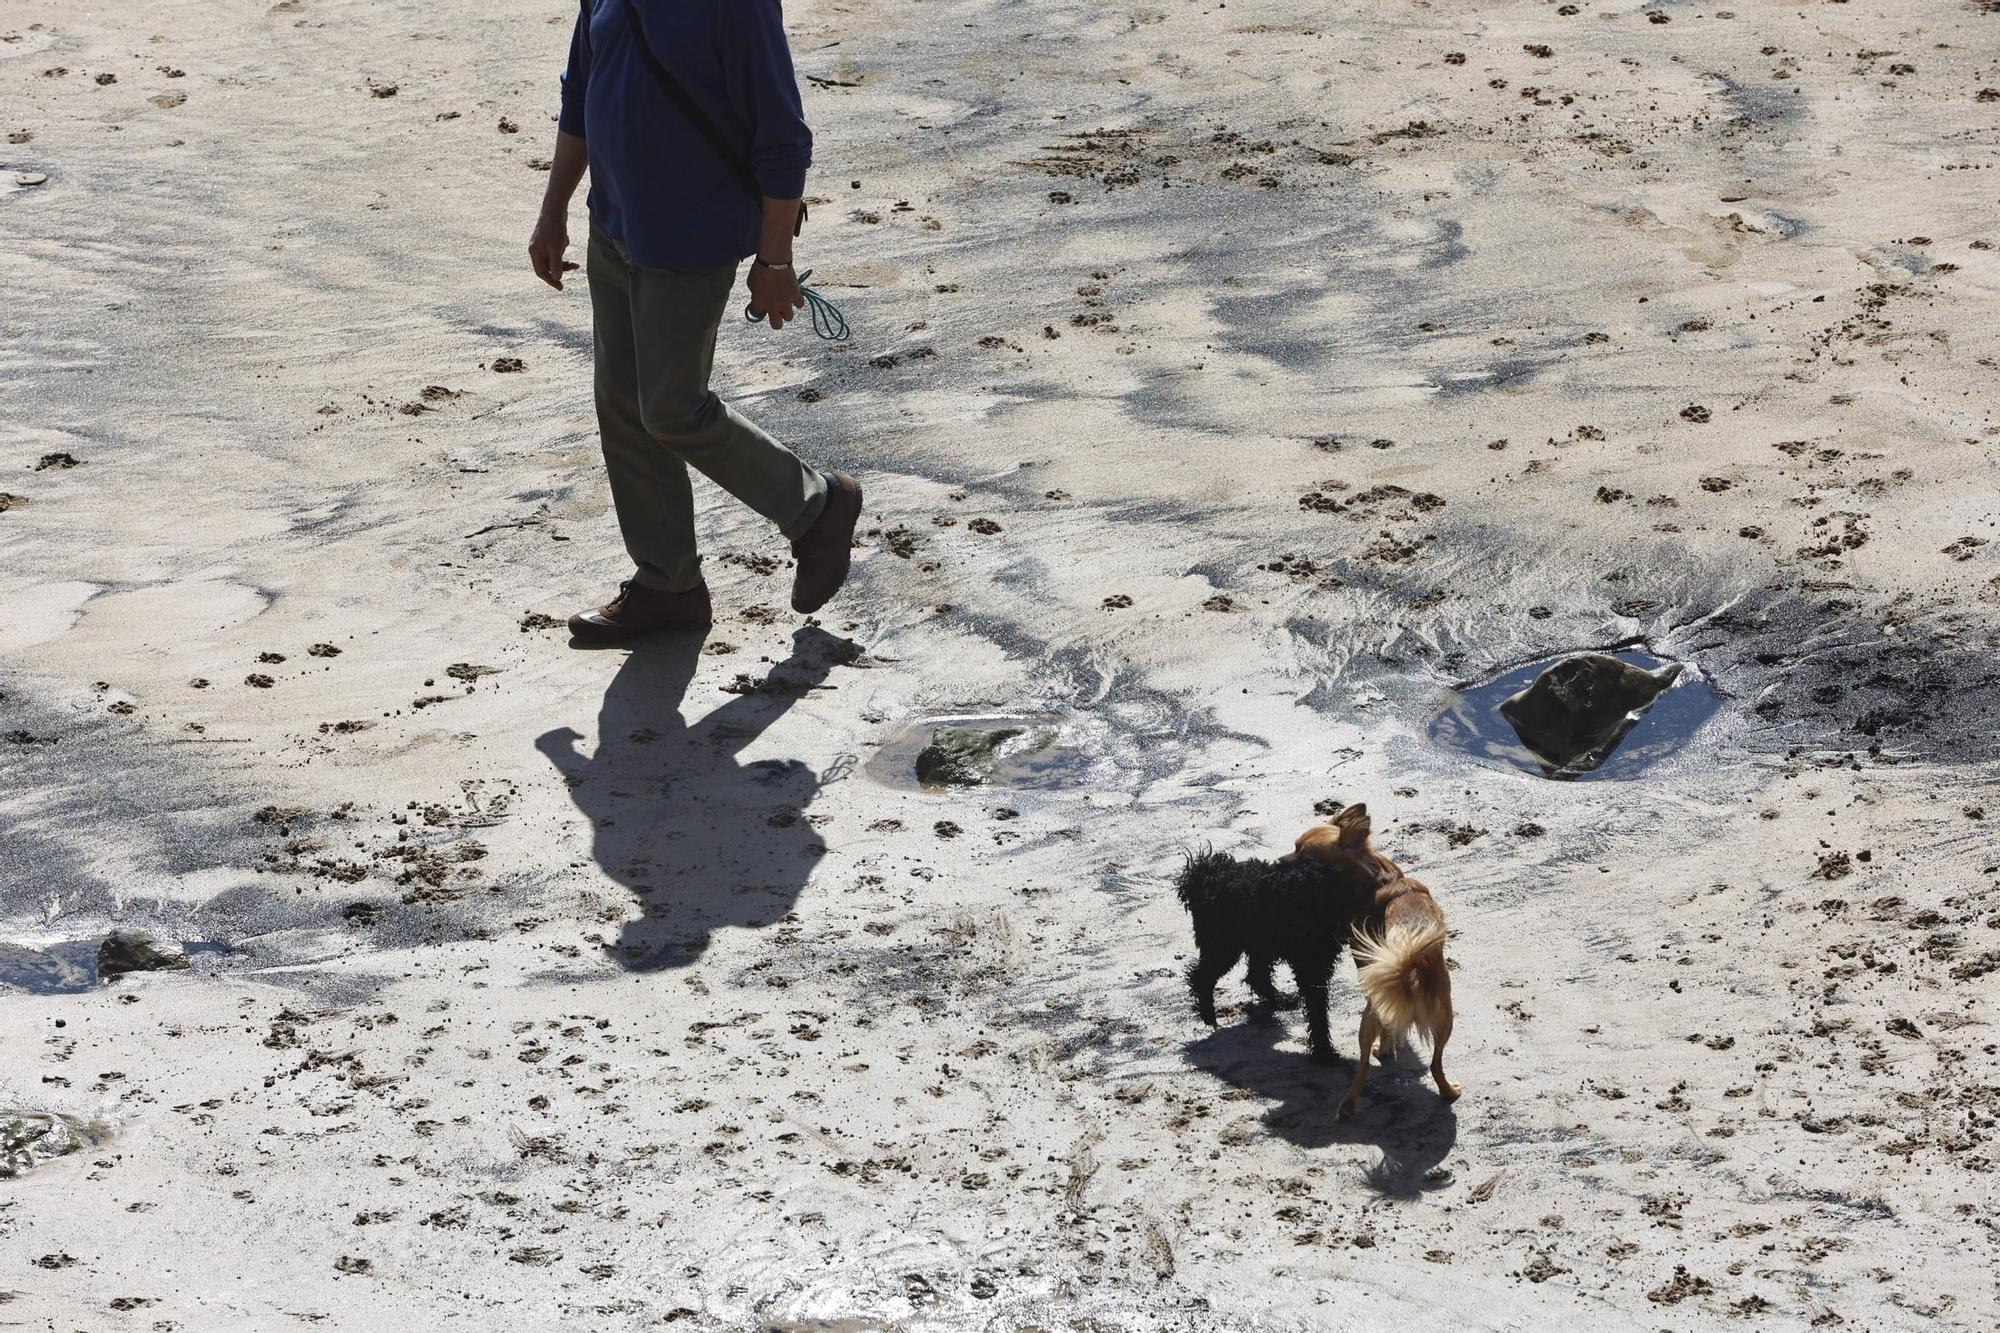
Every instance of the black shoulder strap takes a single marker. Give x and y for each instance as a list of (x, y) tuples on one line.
[(731, 156)]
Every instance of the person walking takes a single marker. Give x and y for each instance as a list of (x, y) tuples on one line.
[(686, 115)]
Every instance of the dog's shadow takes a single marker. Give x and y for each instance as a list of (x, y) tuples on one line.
[(702, 840), (1400, 1111)]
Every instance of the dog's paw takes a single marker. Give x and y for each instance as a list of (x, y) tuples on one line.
[(1448, 1091), (1347, 1109)]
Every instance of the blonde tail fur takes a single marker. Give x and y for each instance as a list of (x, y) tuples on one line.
[(1393, 978)]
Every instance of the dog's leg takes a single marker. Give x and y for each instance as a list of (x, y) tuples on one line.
[(1311, 974), (1204, 972), (1370, 1031), (1439, 1036), (1267, 990)]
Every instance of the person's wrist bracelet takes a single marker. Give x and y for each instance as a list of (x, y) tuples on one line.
[(766, 263)]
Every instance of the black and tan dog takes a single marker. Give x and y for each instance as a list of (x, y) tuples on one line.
[(1398, 946)]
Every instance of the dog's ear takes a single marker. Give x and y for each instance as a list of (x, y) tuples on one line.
[(1354, 826)]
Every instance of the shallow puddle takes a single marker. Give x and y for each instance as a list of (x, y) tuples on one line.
[(1469, 721), (30, 1138), (1019, 752), (53, 969), (64, 967)]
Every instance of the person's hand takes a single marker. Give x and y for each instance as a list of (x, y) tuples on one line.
[(559, 746), (545, 249), (774, 293)]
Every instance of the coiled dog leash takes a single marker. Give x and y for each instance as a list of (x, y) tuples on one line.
[(827, 321)]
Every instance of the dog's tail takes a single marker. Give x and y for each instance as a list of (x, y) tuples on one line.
[(1402, 974), (1198, 880)]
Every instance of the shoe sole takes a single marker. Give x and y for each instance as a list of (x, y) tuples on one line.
[(594, 640)]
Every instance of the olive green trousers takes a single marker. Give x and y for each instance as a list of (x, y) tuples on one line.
[(655, 343)]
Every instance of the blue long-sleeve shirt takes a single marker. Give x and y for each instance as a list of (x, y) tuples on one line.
[(656, 183)]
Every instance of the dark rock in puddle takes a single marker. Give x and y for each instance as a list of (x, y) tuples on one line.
[(133, 951), (963, 756), (1578, 710)]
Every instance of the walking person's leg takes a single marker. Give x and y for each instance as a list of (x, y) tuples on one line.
[(649, 484), (676, 314)]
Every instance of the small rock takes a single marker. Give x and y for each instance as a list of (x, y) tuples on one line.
[(131, 951), (962, 756)]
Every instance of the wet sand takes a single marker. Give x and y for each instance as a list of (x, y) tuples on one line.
[(1238, 385)]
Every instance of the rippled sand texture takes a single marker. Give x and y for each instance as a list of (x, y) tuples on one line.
[(1232, 385)]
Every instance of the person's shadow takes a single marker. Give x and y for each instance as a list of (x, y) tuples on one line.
[(702, 840), (1400, 1111)]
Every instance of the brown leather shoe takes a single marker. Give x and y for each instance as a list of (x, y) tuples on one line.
[(638, 610), (824, 552)]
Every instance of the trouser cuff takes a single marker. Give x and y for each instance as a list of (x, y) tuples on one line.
[(646, 576), (815, 505)]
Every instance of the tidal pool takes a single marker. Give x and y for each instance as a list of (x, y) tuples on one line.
[(1468, 720), (1020, 752)]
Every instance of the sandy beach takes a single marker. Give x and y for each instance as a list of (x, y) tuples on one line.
[(1249, 396)]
